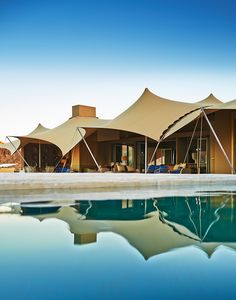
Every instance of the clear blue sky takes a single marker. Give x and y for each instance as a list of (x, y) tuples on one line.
[(54, 54)]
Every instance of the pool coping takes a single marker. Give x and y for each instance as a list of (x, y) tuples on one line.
[(29, 181)]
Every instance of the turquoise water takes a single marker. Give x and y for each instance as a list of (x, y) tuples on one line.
[(160, 248)]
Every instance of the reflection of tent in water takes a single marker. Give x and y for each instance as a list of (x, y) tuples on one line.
[(150, 236), (210, 217)]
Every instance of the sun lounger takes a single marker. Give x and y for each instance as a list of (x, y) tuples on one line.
[(178, 169), (158, 169), (7, 168)]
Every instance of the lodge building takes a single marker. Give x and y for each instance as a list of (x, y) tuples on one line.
[(153, 130)]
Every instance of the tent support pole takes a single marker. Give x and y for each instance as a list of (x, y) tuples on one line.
[(19, 153), (146, 148), (200, 148), (218, 141), (155, 150), (39, 156), (158, 143), (89, 150), (190, 143)]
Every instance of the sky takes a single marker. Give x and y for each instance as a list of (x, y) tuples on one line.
[(104, 53)]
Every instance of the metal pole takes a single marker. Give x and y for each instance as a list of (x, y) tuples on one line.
[(39, 155), (200, 149), (162, 138), (155, 150), (145, 155), (218, 141), (99, 167), (18, 152), (190, 143)]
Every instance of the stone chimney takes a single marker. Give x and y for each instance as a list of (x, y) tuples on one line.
[(83, 111)]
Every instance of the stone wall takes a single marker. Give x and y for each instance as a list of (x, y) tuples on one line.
[(7, 158)]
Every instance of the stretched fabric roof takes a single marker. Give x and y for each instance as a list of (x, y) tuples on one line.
[(210, 102), (228, 105), (39, 129), (11, 147), (66, 135), (14, 145), (151, 115)]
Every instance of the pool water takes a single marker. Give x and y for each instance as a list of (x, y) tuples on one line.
[(159, 248)]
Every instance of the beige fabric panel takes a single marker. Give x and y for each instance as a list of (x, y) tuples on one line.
[(183, 122), (11, 147), (209, 101), (64, 136), (39, 129), (228, 105), (150, 115)]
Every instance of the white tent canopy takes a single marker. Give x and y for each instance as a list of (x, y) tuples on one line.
[(149, 116)]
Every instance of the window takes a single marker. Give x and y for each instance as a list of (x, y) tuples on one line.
[(123, 154), (166, 157)]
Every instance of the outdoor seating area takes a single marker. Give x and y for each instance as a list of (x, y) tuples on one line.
[(118, 168), (113, 168), (176, 169)]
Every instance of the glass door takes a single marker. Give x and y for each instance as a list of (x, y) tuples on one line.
[(123, 154), (202, 155)]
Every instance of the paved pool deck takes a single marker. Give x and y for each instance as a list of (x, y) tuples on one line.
[(39, 181), (64, 189)]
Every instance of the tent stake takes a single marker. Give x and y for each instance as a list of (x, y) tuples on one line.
[(218, 141), (86, 144)]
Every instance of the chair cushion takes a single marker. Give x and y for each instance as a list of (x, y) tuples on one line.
[(121, 168)]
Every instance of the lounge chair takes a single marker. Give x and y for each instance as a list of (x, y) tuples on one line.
[(121, 168), (7, 168), (152, 168), (178, 169), (162, 169), (158, 169)]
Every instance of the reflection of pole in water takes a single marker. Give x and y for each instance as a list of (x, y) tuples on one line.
[(232, 206), (232, 210), (200, 217), (90, 206), (217, 216), (190, 216), (145, 207), (155, 204)]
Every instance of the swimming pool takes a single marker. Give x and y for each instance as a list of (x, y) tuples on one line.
[(173, 247)]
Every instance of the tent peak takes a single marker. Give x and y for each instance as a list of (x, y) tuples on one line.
[(146, 91), (38, 128), (41, 126), (209, 100)]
